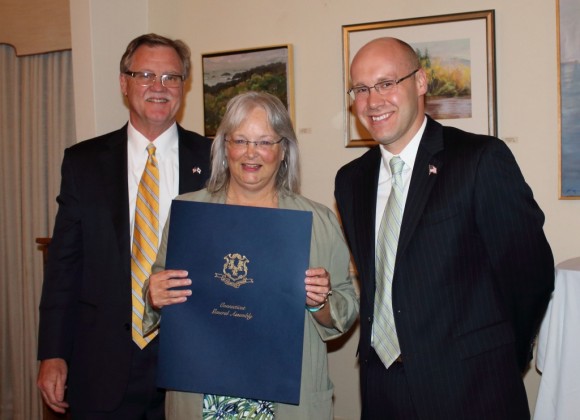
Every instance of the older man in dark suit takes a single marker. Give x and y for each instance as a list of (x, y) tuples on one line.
[(90, 340), (448, 241)]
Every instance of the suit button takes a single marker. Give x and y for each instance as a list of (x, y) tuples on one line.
[(369, 319), (127, 327)]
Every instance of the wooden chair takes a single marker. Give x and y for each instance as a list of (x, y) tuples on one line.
[(43, 244)]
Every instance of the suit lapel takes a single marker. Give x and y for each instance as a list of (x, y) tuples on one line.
[(190, 177), (365, 215), (422, 181), (113, 161)]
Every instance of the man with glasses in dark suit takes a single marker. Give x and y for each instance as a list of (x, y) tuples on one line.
[(95, 360), (455, 269)]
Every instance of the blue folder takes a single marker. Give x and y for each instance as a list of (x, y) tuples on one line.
[(241, 332)]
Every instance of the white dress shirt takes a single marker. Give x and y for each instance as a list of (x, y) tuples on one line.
[(408, 156), (167, 155)]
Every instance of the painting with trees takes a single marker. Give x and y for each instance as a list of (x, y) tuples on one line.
[(227, 74), (448, 67), (457, 52)]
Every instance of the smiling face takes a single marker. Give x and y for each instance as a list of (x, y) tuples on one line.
[(152, 109), (395, 117), (254, 170)]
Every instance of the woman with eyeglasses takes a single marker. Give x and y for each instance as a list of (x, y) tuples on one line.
[(255, 162)]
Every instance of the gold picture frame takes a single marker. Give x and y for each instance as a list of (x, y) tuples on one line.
[(470, 36)]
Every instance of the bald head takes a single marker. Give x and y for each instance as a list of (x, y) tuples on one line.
[(403, 55)]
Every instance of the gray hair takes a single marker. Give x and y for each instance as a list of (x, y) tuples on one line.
[(237, 110), (154, 40)]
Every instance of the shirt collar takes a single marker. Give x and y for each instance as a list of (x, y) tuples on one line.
[(409, 153), (137, 142)]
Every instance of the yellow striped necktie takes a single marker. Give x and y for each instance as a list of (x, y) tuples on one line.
[(145, 242)]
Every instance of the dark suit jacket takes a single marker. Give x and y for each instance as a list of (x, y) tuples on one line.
[(473, 273), (85, 309)]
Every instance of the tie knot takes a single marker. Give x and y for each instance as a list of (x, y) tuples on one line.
[(151, 149), (396, 164)]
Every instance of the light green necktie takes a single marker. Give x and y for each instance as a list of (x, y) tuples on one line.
[(385, 341)]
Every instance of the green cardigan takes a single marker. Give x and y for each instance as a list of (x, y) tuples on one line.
[(329, 250)]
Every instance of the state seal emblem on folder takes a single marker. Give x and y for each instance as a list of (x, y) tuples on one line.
[(235, 271)]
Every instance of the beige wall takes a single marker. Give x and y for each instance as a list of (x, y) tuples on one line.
[(25, 26), (101, 29), (527, 100)]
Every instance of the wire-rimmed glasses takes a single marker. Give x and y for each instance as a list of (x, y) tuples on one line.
[(260, 144), (147, 78), (382, 88)]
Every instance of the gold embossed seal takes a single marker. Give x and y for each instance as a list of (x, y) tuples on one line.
[(235, 271)]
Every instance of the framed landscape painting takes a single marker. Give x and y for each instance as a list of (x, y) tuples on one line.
[(457, 52), (569, 77), (226, 74)]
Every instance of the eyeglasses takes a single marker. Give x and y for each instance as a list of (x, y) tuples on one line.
[(260, 144), (382, 88), (145, 78)]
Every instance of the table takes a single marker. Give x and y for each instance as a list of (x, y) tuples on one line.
[(558, 356)]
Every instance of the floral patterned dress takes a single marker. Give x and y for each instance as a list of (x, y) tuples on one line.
[(217, 407)]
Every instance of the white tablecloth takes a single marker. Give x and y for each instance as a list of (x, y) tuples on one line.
[(558, 356)]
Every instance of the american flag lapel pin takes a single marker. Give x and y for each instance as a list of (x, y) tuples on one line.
[(196, 170), (432, 170)]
